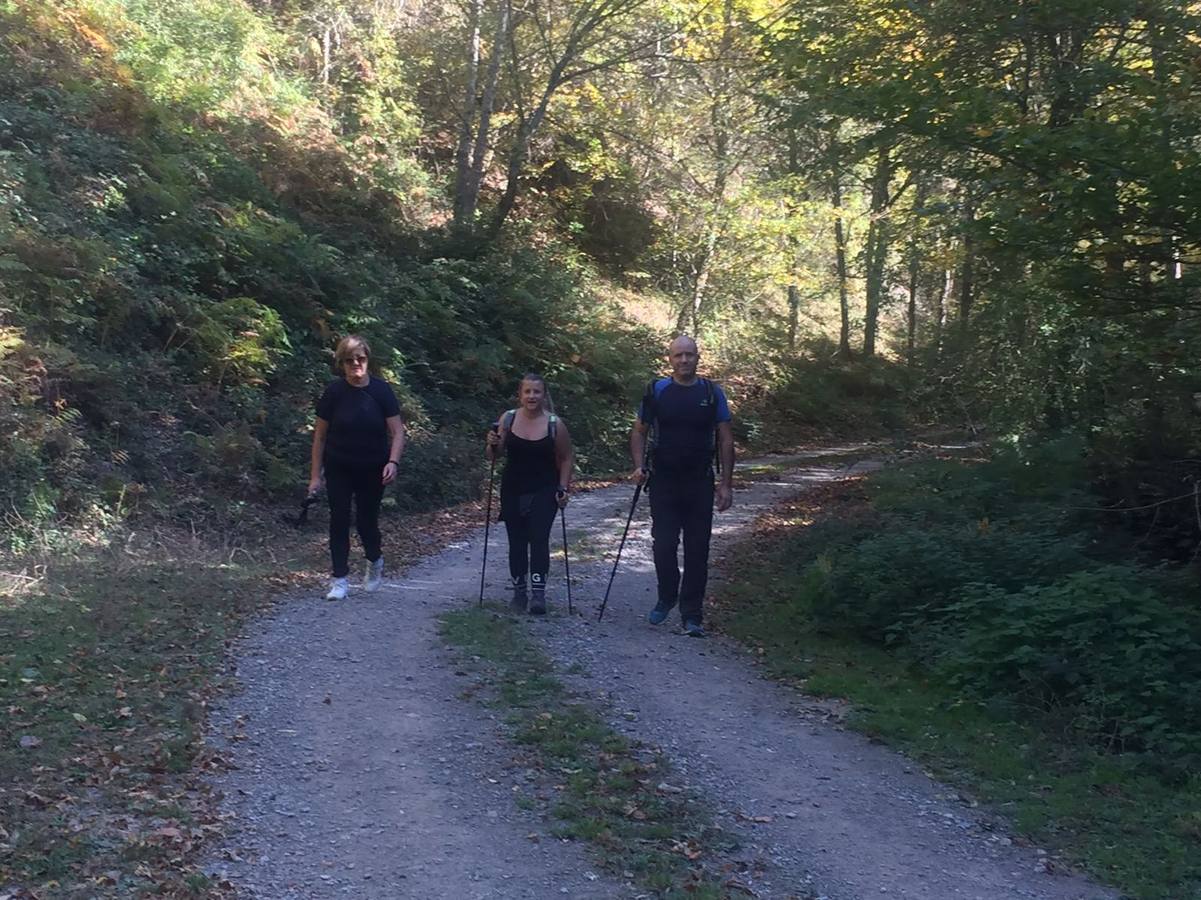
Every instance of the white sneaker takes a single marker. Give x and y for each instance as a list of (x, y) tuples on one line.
[(374, 576), (337, 589)]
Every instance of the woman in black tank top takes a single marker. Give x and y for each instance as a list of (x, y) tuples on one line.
[(535, 484)]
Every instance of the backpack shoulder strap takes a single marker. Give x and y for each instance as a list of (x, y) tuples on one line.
[(649, 401), (506, 422), (552, 426), (711, 391)]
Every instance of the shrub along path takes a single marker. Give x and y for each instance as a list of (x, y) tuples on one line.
[(361, 771)]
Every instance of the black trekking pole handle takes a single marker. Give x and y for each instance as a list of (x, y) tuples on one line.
[(299, 520), (488, 515), (613, 574)]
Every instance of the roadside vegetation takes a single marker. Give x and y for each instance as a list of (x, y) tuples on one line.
[(989, 616)]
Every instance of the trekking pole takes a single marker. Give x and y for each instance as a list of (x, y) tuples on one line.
[(566, 564), (613, 574), (488, 517)]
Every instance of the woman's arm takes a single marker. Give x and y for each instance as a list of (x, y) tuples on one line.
[(564, 455), (320, 430), (396, 430), (495, 441)]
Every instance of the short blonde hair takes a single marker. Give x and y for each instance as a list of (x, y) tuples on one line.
[(346, 349)]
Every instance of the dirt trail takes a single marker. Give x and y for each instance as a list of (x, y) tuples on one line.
[(361, 773)]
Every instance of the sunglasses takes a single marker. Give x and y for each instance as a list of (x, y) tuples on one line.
[(357, 360)]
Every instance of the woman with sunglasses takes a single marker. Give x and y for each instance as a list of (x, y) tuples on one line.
[(358, 440)]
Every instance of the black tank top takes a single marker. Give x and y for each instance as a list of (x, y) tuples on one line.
[(530, 465)]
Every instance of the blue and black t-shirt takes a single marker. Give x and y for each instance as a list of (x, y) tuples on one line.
[(358, 422), (684, 424)]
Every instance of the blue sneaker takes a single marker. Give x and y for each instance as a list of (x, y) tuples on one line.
[(693, 628), (658, 615)]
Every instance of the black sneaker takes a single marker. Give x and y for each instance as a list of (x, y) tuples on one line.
[(693, 628), (520, 598), (537, 594)]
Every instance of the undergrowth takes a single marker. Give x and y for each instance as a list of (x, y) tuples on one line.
[(978, 613)]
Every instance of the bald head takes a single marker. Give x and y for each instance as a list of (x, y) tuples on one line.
[(683, 354), (683, 341)]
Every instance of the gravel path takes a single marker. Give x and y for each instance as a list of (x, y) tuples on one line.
[(360, 772)]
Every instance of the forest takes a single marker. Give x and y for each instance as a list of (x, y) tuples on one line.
[(882, 219)]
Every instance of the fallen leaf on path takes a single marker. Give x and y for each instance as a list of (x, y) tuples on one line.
[(762, 820)]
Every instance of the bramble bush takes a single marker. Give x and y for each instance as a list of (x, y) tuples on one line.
[(990, 574), (1105, 644)]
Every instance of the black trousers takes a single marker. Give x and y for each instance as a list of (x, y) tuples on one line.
[(682, 505), (528, 522), (364, 485)]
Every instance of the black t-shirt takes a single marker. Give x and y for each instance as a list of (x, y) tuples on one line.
[(684, 423), (357, 416)]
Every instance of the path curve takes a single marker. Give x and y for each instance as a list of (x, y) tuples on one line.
[(361, 772)]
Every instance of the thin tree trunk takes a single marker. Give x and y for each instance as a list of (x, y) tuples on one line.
[(475, 177), (793, 244), (517, 157), (919, 202), (840, 262), (945, 287), (463, 209), (794, 314), (719, 115), (691, 311), (877, 248), (967, 269)]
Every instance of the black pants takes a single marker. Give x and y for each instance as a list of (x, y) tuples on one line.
[(364, 484), (528, 522), (682, 505)]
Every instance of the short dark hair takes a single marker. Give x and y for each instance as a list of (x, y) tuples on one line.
[(347, 346)]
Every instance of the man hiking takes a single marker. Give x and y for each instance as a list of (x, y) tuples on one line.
[(680, 423)]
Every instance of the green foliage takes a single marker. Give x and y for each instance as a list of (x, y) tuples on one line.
[(815, 393), (1120, 656), (984, 574), (186, 227), (885, 585)]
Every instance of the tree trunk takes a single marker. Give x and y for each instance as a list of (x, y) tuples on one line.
[(463, 209), (690, 312), (967, 269), (914, 273), (719, 120), (877, 248), (946, 285), (793, 243), (475, 177), (517, 157), (794, 315), (840, 262)]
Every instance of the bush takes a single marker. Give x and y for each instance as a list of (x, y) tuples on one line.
[(983, 574), (815, 393), (908, 573), (1104, 642)]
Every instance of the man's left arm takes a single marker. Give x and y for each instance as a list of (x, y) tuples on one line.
[(725, 453), (725, 449)]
